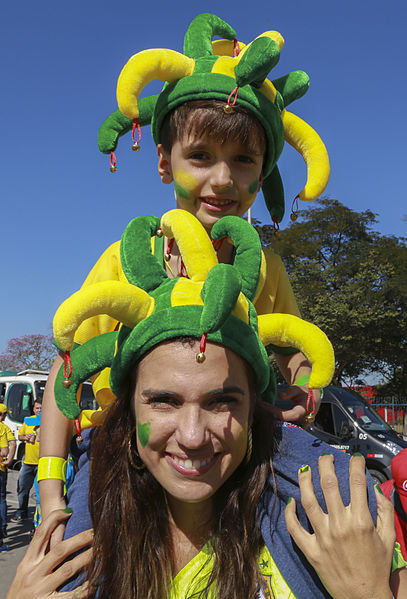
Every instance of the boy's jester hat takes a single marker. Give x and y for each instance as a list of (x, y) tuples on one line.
[(229, 71), (214, 304)]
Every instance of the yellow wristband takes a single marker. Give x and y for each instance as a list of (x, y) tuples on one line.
[(51, 467)]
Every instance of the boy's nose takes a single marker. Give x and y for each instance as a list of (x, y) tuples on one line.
[(221, 175)]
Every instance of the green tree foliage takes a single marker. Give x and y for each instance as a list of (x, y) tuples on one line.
[(352, 282), (28, 351)]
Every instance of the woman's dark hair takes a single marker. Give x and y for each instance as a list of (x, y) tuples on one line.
[(133, 554), (207, 118)]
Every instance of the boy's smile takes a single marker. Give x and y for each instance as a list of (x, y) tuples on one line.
[(211, 180)]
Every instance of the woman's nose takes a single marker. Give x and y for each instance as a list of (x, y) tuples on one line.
[(221, 175), (192, 429)]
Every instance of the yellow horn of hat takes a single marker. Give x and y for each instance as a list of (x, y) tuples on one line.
[(123, 302), (307, 337), (308, 143), (143, 67)]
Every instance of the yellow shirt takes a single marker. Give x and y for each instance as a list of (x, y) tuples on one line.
[(276, 296), (32, 450), (3, 443), (195, 575)]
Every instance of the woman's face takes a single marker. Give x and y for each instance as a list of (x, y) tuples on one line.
[(192, 419)]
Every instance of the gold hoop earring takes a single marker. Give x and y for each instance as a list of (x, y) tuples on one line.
[(249, 448), (138, 463)]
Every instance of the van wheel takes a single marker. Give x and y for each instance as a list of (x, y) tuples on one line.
[(378, 477)]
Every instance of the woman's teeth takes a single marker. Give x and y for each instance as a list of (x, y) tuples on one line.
[(191, 464)]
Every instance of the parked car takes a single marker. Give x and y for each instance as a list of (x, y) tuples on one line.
[(347, 421), (19, 391)]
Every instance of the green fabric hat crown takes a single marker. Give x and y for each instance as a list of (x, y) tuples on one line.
[(215, 301), (210, 70)]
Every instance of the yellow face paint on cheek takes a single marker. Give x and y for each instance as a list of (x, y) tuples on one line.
[(184, 184)]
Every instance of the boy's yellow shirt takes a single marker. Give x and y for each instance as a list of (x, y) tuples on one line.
[(276, 297)]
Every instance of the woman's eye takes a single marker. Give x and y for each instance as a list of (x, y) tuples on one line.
[(226, 401), (162, 401)]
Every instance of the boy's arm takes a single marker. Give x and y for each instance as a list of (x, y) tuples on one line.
[(11, 452), (56, 435)]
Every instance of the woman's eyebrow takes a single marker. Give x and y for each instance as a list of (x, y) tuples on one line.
[(226, 390), (152, 393)]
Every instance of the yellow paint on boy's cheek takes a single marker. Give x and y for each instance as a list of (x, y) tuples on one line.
[(184, 184)]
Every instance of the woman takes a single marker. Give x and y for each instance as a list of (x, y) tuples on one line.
[(189, 474)]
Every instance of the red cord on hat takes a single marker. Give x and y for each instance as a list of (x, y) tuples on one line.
[(276, 226), (67, 370), (236, 47), (294, 208), (234, 91), (79, 437), (113, 161), (136, 143), (310, 400)]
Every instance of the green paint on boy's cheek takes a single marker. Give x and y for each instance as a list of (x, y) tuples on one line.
[(143, 431), (253, 187), (183, 194)]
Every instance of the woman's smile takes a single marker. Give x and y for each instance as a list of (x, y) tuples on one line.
[(192, 466)]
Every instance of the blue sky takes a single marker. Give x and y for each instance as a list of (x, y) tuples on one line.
[(60, 205)]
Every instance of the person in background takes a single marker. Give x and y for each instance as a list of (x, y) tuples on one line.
[(28, 434), (395, 489), (7, 451)]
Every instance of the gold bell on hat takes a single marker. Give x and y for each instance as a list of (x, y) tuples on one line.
[(294, 216), (200, 357), (113, 169), (66, 383), (228, 109), (310, 418), (136, 146), (159, 232)]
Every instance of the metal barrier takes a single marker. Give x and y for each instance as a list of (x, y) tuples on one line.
[(393, 410)]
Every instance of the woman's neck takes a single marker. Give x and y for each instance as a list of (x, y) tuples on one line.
[(191, 527)]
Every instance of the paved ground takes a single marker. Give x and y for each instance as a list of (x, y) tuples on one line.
[(18, 535)]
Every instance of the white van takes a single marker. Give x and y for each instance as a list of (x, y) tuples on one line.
[(19, 391)]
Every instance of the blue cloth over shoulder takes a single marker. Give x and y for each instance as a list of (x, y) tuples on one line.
[(295, 448)]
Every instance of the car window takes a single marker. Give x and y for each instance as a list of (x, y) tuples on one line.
[(19, 401), (324, 419)]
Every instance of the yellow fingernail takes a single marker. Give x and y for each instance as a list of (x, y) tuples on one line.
[(304, 468)]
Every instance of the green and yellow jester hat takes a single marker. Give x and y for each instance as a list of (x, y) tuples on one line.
[(229, 71), (214, 303)]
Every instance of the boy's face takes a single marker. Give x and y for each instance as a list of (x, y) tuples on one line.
[(212, 180)]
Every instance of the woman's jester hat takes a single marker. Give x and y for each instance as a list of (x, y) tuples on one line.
[(232, 72), (214, 304)]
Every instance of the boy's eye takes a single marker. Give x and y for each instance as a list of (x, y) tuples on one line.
[(198, 155), (245, 159)]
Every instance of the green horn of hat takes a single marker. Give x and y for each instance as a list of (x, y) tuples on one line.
[(198, 38), (139, 265), (248, 250), (87, 360)]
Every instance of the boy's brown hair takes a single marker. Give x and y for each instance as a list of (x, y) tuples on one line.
[(207, 118)]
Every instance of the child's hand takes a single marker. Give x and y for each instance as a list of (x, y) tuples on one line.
[(38, 575), (58, 532), (298, 396), (351, 556)]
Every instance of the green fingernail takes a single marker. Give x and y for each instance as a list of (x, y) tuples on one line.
[(327, 453), (289, 500), (68, 510), (304, 468), (357, 455), (378, 489)]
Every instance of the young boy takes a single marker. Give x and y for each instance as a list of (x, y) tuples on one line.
[(219, 127)]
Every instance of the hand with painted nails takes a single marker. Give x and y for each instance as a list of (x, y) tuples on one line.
[(40, 573), (351, 555)]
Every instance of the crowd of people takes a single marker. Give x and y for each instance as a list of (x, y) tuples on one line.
[(189, 482)]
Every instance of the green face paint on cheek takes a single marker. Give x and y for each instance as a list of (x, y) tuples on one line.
[(182, 193), (143, 431), (254, 186)]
